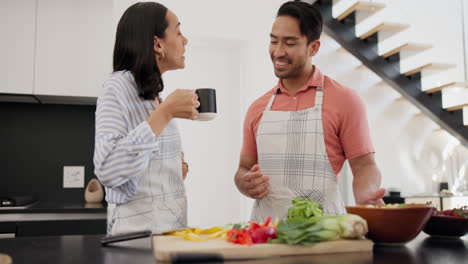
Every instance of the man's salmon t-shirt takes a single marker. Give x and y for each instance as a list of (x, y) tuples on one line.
[(345, 125)]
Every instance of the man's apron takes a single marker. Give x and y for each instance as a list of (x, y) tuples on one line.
[(160, 204), (291, 151)]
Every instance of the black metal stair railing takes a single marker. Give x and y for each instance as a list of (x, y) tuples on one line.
[(389, 70)]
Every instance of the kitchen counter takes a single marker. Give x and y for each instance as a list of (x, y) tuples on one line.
[(57, 207), (54, 218), (87, 249)]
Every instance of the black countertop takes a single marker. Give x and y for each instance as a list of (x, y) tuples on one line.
[(87, 249), (58, 207)]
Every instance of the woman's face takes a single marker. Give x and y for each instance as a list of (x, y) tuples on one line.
[(172, 45)]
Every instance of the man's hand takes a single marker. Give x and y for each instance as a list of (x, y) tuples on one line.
[(254, 183), (370, 197), (367, 179), (184, 167)]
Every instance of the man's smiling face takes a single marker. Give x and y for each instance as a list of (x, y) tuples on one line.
[(289, 50)]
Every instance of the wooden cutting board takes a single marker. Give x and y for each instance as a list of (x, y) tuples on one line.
[(165, 246)]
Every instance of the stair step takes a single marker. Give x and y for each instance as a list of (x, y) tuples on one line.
[(450, 84), (359, 6), (406, 46), (341, 50), (384, 26), (429, 66), (361, 67), (456, 107), (465, 115), (400, 99)]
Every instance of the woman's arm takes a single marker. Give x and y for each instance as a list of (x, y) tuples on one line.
[(120, 155)]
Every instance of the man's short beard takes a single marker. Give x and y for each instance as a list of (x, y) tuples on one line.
[(295, 72)]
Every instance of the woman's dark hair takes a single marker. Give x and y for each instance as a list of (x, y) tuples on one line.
[(134, 46), (309, 18)]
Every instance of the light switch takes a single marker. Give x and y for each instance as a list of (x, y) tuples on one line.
[(73, 177)]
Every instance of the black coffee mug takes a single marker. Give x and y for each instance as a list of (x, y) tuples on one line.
[(207, 108)]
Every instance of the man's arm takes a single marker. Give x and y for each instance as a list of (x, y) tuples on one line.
[(366, 180), (250, 180)]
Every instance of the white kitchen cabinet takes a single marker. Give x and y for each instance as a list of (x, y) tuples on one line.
[(74, 44), (17, 33)]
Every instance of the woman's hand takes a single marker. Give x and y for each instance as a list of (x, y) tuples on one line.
[(184, 167), (181, 104)]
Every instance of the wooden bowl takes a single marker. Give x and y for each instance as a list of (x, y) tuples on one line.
[(393, 225), (446, 226)]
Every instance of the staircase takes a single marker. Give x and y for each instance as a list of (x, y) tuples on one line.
[(363, 45)]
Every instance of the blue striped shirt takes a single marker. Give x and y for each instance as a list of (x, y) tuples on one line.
[(123, 140)]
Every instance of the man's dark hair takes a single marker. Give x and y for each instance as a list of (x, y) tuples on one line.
[(309, 18), (134, 46)]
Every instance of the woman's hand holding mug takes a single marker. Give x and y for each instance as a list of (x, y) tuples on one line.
[(181, 104)]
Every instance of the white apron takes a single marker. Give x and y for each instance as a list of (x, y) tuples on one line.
[(160, 204), (291, 151)]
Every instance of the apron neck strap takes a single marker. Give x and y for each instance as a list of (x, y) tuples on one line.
[(318, 95)]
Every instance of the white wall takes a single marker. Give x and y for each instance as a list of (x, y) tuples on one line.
[(211, 148)]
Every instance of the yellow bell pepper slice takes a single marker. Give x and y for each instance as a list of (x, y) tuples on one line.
[(196, 230), (177, 233), (219, 234), (194, 237), (276, 222), (212, 230)]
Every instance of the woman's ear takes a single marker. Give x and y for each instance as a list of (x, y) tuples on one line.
[(157, 48)]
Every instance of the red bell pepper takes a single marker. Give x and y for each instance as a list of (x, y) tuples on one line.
[(256, 233)]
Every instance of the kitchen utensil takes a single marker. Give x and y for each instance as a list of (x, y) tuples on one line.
[(166, 248), (393, 225), (446, 226), (109, 239), (207, 109), (124, 237)]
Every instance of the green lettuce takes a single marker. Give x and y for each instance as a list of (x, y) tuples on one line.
[(304, 209), (319, 228)]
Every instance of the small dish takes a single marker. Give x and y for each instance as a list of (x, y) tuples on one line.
[(446, 226)]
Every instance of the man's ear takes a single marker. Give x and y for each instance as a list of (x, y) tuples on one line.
[(157, 47), (314, 47)]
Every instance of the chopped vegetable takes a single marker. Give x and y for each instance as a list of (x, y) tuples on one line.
[(262, 234), (194, 237), (320, 228), (461, 212), (193, 234), (212, 230), (220, 234), (255, 233), (304, 209), (387, 206)]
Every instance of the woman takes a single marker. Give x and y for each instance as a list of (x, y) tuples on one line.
[(138, 155)]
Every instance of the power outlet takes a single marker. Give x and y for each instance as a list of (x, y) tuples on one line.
[(73, 177)]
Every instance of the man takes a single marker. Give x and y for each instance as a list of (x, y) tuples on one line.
[(298, 135)]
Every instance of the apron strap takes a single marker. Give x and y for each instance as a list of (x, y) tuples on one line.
[(272, 99), (318, 95)]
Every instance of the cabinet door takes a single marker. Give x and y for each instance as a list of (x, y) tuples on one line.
[(18, 33), (74, 47)]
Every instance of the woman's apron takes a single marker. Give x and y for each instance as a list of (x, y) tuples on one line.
[(160, 204), (291, 151)]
